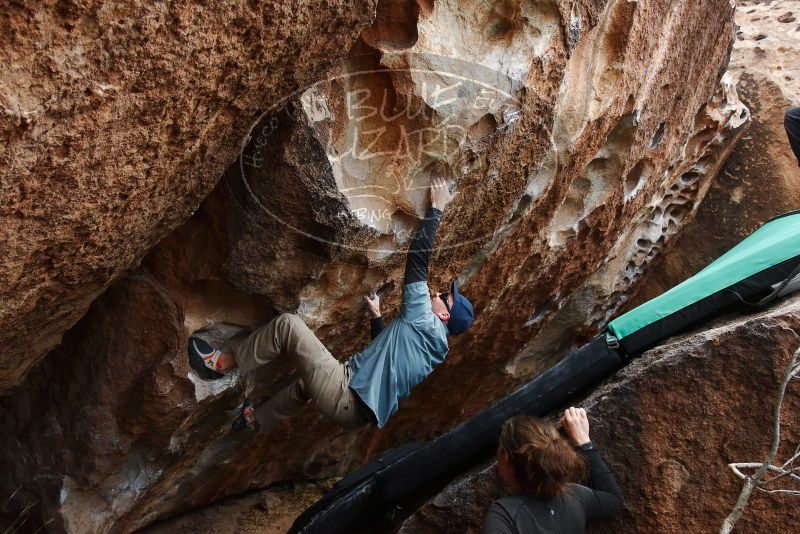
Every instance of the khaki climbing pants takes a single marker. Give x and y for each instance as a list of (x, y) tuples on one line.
[(322, 378)]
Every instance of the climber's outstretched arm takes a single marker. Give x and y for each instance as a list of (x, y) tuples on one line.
[(419, 252)]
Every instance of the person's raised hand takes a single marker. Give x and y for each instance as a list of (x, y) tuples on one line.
[(440, 193), (576, 425), (373, 305)]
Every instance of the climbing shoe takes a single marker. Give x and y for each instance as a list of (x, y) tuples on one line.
[(245, 420), (204, 359)]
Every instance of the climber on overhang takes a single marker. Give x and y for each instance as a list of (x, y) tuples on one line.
[(367, 387)]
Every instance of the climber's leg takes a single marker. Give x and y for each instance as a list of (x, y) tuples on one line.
[(285, 335), (282, 405), (329, 391), (792, 124), (322, 378), (327, 388)]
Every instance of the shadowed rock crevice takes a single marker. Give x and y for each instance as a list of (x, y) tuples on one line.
[(118, 118), (395, 25)]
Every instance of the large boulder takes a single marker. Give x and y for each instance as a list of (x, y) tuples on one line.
[(668, 425), (580, 138), (117, 120), (113, 391), (573, 142), (761, 178)]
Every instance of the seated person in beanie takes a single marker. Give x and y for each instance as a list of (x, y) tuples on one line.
[(537, 464), (367, 387)]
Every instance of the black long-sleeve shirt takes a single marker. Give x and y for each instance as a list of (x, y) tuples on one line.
[(419, 252), (791, 122), (376, 326), (417, 259), (566, 513)]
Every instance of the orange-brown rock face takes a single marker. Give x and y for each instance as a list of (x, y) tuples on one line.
[(580, 137), (117, 120), (668, 425)]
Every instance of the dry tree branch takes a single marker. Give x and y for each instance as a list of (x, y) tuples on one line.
[(793, 474), (756, 481)]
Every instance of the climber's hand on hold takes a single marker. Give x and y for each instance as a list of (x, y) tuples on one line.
[(576, 425), (373, 305), (440, 193)]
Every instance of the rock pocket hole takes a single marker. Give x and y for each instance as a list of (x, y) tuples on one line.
[(540, 312), (503, 20), (484, 127), (395, 26), (636, 178), (658, 136)]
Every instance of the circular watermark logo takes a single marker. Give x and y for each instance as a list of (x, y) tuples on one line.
[(387, 124)]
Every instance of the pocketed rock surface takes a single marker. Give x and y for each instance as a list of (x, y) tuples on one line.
[(668, 425), (580, 138), (761, 178)]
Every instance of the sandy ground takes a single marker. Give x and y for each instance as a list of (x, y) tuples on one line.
[(768, 43), (246, 514)]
